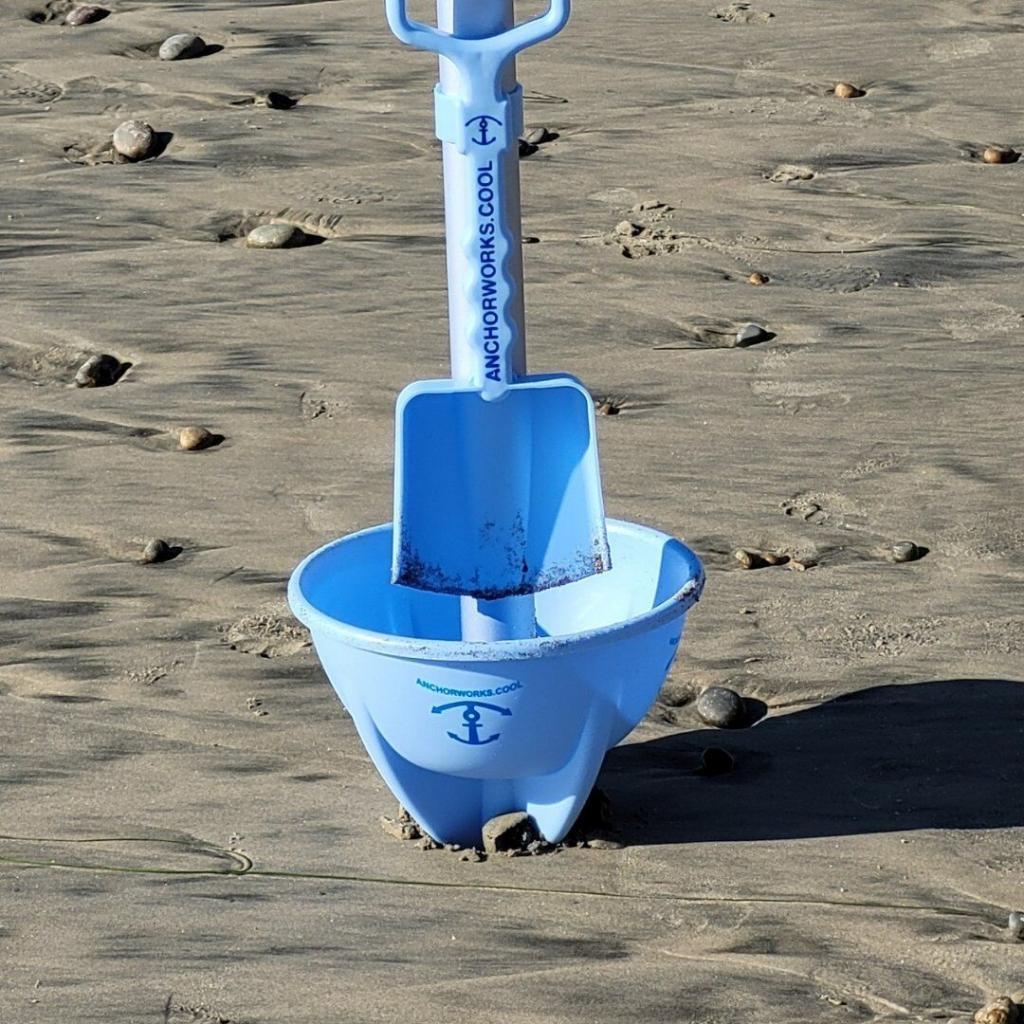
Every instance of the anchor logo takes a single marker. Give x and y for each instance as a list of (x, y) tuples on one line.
[(471, 720), (485, 138)]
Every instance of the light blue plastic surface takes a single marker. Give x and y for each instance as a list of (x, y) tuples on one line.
[(497, 485), (462, 731), (498, 497), (501, 637)]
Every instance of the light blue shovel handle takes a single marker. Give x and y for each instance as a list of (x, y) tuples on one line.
[(480, 122), (465, 53)]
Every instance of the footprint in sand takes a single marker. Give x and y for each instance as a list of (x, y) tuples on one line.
[(267, 635), (742, 14), (637, 240), (17, 88)]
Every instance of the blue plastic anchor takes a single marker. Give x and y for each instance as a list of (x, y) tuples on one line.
[(495, 641)]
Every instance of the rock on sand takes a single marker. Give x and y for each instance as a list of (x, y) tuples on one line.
[(133, 139), (181, 46), (274, 236)]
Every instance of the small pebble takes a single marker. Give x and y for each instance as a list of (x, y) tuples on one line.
[(192, 439), (604, 844), (181, 46), (99, 371), (905, 551), (426, 843), (133, 139), (156, 551), (275, 100), (472, 856), (845, 91), (758, 278), (648, 204), (85, 15), (720, 707), (509, 833), (1000, 155), (535, 136), (274, 236), (716, 761), (400, 829), (1016, 926), (748, 559), (627, 228), (1000, 1011), (749, 333)]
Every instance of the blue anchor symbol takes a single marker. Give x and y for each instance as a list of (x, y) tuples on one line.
[(485, 138), (471, 719)]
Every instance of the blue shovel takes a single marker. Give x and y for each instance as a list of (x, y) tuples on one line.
[(497, 485)]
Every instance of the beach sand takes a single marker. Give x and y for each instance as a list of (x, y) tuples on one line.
[(163, 727)]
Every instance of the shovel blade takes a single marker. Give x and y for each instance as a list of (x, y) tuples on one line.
[(497, 498)]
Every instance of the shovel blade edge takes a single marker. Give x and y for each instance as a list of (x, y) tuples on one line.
[(497, 498)]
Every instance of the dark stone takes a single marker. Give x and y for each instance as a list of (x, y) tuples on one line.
[(510, 833), (85, 15), (720, 707), (157, 551), (98, 371), (905, 551), (276, 100)]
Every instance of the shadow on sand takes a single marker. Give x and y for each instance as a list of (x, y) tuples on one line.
[(944, 754)]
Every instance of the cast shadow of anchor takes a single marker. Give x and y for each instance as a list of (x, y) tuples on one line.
[(889, 758)]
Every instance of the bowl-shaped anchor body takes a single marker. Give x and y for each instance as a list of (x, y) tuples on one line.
[(462, 731)]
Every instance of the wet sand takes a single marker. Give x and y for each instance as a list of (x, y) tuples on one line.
[(196, 824)]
